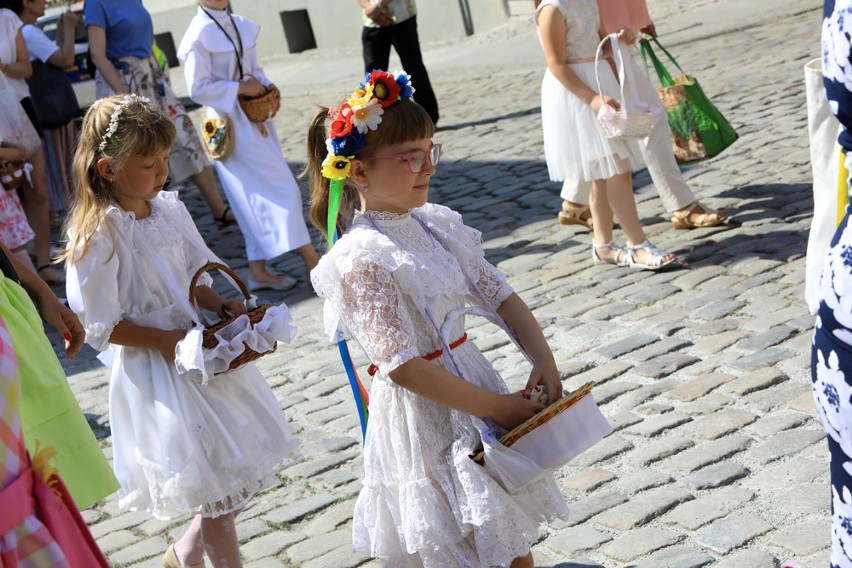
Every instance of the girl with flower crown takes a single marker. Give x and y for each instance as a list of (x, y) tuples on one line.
[(220, 65), (185, 442), (399, 280)]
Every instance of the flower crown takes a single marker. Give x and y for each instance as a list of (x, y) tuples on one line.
[(116, 115), (361, 113)]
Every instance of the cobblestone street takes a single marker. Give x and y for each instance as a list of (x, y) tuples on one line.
[(718, 457)]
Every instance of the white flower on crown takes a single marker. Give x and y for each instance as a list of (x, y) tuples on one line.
[(116, 115), (367, 117)]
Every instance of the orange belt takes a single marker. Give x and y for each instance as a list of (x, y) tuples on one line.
[(373, 369)]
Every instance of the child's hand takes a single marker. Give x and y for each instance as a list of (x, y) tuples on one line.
[(251, 88), (232, 308), (65, 321), (600, 100), (13, 152), (548, 376), (513, 409), (169, 339)]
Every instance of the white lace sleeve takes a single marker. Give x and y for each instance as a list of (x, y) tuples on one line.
[(92, 289), (375, 314), (493, 285)]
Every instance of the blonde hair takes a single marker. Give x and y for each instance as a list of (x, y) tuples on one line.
[(403, 121), (139, 129)]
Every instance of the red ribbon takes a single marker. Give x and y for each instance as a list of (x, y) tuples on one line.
[(373, 369)]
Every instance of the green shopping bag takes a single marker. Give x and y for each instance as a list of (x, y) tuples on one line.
[(699, 131)]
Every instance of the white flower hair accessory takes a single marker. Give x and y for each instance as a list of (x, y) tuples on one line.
[(116, 115)]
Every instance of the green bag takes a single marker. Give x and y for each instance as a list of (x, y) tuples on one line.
[(699, 131)]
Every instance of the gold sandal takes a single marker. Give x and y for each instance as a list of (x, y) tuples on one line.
[(573, 215), (708, 217), (170, 560)]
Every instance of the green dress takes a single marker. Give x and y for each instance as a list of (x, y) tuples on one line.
[(49, 411)]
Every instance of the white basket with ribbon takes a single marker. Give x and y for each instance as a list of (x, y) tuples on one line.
[(635, 118)]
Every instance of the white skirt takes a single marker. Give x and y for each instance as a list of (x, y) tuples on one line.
[(575, 147), (182, 448)]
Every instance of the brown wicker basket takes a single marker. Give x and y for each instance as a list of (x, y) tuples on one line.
[(264, 107), (551, 411), (13, 175), (209, 340)]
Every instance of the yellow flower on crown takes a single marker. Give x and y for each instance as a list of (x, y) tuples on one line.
[(336, 167), (361, 97)]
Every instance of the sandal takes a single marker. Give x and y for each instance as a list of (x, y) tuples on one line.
[(619, 259), (575, 215), (692, 219), (654, 260), (57, 279), (170, 560), (222, 221)]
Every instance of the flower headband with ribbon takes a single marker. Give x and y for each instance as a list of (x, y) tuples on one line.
[(116, 115), (361, 113)]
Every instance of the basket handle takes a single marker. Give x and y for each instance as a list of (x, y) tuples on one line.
[(616, 51), (224, 269)]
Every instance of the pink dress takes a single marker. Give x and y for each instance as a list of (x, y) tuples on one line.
[(15, 231)]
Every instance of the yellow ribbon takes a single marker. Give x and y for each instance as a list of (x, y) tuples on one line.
[(40, 463)]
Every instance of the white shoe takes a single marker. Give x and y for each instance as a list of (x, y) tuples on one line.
[(285, 283)]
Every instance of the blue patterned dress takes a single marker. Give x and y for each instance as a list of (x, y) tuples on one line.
[(831, 372)]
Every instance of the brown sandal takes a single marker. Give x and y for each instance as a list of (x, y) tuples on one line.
[(706, 218), (573, 215)]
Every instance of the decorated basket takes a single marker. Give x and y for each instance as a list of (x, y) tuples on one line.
[(255, 315), (13, 175), (264, 107), (578, 402)]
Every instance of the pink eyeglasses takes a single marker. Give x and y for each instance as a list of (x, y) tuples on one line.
[(418, 159)]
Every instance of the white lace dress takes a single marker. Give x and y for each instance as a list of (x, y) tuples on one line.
[(179, 447), (424, 502)]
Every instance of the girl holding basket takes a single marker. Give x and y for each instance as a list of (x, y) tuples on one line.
[(396, 280)]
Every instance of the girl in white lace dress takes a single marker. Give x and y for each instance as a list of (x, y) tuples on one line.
[(575, 147), (181, 446), (401, 270)]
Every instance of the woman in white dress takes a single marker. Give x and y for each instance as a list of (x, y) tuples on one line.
[(181, 446), (220, 64)]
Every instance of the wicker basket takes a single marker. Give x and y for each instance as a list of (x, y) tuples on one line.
[(548, 413), (264, 107), (620, 124), (209, 340), (635, 118), (13, 175)]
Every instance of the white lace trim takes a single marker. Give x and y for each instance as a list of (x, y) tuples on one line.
[(194, 361)]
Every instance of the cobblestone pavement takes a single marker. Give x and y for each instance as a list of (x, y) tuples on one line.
[(718, 456)]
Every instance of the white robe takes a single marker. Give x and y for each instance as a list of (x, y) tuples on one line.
[(259, 185)]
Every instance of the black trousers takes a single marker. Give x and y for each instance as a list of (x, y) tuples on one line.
[(377, 42)]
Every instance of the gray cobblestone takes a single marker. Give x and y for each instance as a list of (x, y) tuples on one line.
[(639, 542), (716, 475), (706, 454), (678, 557), (732, 532), (664, 365), (698, 386), (756, 380), (642, 508)]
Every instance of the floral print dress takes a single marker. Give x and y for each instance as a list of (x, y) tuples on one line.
[(831, 368)]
